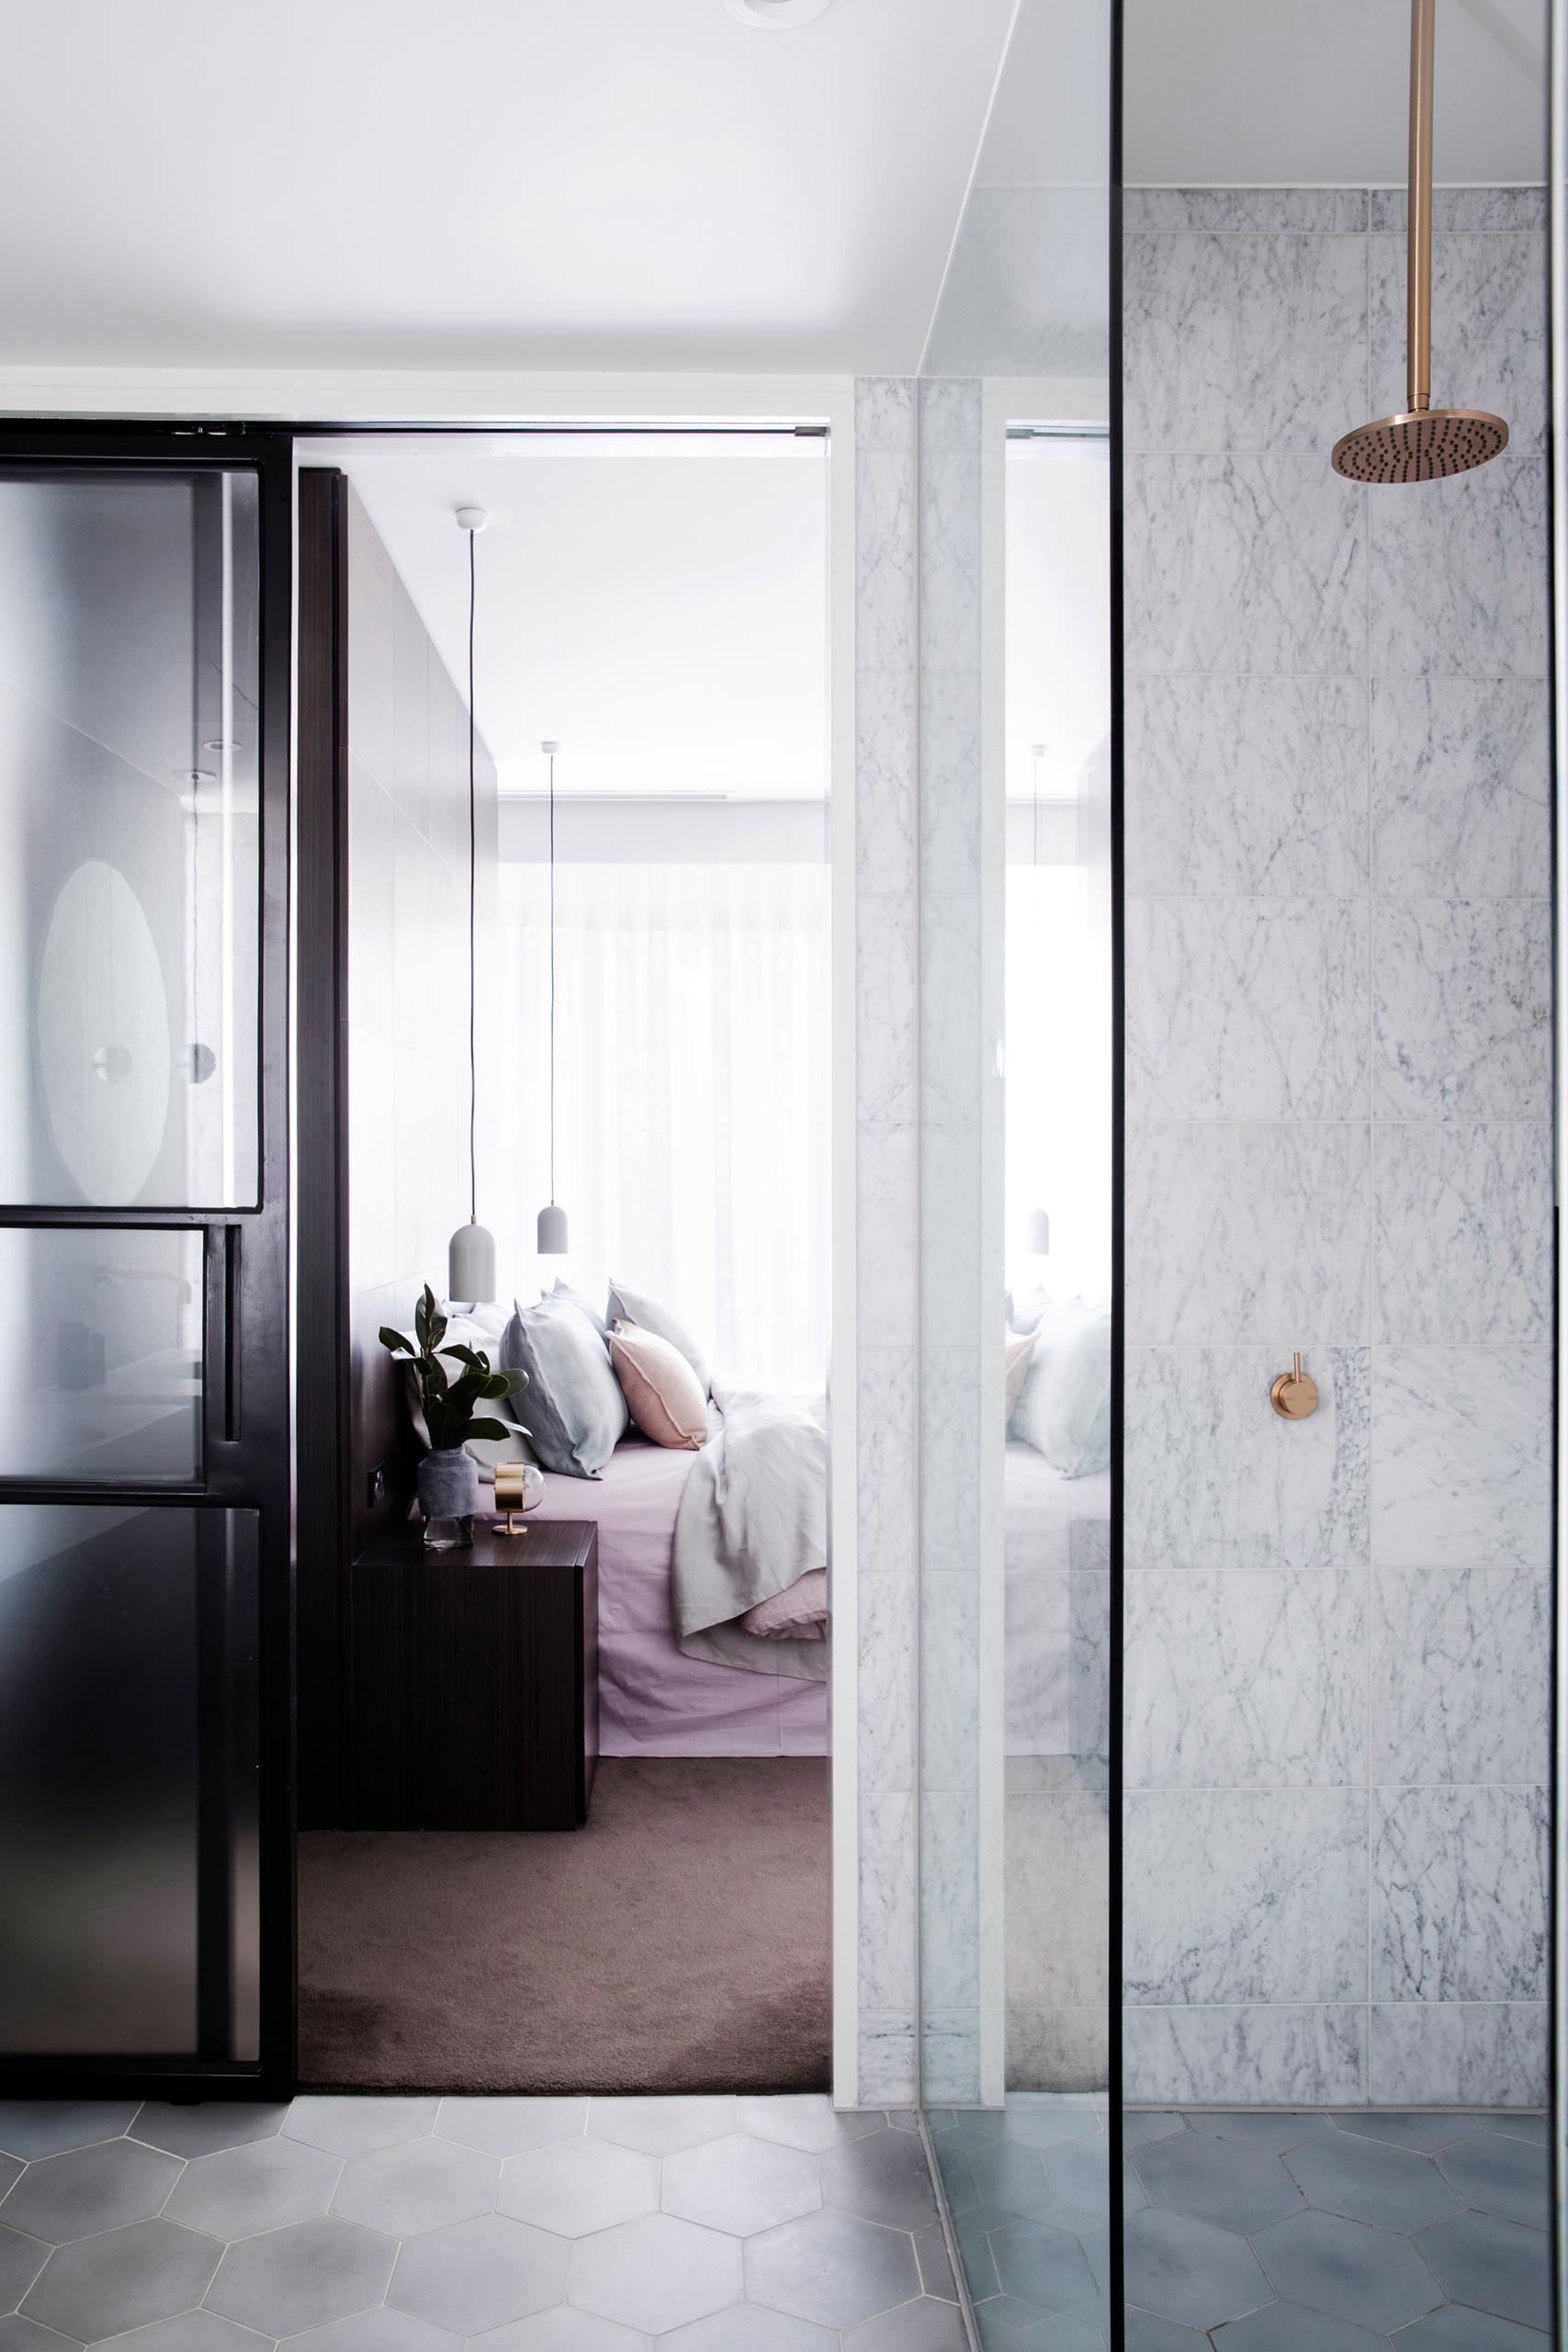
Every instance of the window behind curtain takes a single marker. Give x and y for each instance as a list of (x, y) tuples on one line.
[(692, 1097)]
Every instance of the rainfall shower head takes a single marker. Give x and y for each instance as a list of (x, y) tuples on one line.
[(1422, 443)]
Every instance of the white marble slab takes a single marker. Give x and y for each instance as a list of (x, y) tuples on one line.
[(1460, 1457), (1244, 563), (886, 1231), (1463, 209), (884, 414), (886, 783), (1243, 1895), (1089, 1698), (1462, 991), (1460, 1886), (1462, 787), (1489, 291), (951, 1032), (1241, 786), (949, 1895), (887, 1636), (950, 1632), (1058, 1880), (1247, 1008), (950, 2056), (1240, 342), (950, 530), (1294, 2057), (950, 781), (1325, 211), (886, 1011), (886, 1446), (1462, 1232), (1245, 1679), (1037, 1662), (1236, 1231), (889, 1857), (953, 1275), (1460, 1676), (1457, 581), (1214, 1479), (886, 602), (1451, 2053), (889, 2076)]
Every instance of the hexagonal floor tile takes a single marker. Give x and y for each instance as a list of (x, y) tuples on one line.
[(1492, 2174), (289, 2279), (1188, 2270), (1516, 2123), (1425, 2133), (1261, 2127), (807, 2120), (1217, 2180), (122, 2278), (1034, 2126), (1010, 2326), (578, 2186), (30, 2128), (1041, 2265), (1078, 2173), (1148, 2332), (68, 2197), (883, 2179), (190, 2331), (1496, 2265), (240, 2192), (21, 2260), (661, 2127), (991, 2171), (925, 2326), (478, 2275), (832, 2268), (1454, 2329), (19, 2334), (1139, 2126), (564, 2329), (744, 2184), (424, 2184), (1368, 2180), (1344, 2268), (656, 2273), (749, 2327), (505, 2127), (211, 2124), (348, 2127), (377, 2331), (1291, 2328)]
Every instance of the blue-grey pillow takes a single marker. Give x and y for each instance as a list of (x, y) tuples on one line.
[(627, 1305), (565, 1290), (576, 1414)]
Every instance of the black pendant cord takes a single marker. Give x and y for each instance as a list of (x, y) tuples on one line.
[(552, 979), (473, 885)]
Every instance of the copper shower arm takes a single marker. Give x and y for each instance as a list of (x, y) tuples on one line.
[(1418, 260)]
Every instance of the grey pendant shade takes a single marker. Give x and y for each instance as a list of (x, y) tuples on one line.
[(552, 1219), (470, 1253), (1037, 1234)]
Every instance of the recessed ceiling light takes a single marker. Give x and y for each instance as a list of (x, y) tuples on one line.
[(775, 16)]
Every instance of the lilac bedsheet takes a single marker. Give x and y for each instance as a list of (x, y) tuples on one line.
[(653, 1700)]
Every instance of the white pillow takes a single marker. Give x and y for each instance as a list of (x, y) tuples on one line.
[(1020, 1347), (1065, 1410)]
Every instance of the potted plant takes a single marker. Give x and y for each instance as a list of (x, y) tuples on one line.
[(448, 1476)]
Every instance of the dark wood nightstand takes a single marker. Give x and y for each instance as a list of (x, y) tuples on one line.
[(474, 1699)]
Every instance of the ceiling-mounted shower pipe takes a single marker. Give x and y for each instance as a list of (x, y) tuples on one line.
[(1422, 443)]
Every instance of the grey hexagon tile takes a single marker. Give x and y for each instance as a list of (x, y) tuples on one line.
[(1291, 2328), (807, 2120), (1262, 2127), (1454, 2329), (47, 2127), (1146, 2331), (1007, 2326), (1139, 2126), (195, 2332), (348, 2127), (287, 2280), (1344, 2268), (936, 2263), (656, 2273), (240, 2192), (660, 2127), (1078, 2173), (202, 2129), (505, 2127), (122, 2280), (1041, 2265), (10, 2173), (925, 2326), (1522, 2125), (749, 2327), (973, 2230), (832, 2268), (1491, 2174), (478, 2275), (991, 2171), (1218, 2180), (744, 2184), (1423, 2133), (62, 2197), (1034, 2126), (563, 2329), (1190, 2271), (19, 2334), (377, 2331), (1496, 2265), (882, 2179), (21, 2260), (578, 2186), (1368, 2180), (424, 2184)]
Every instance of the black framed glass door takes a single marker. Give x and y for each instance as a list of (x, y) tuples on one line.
[(146, 1900)]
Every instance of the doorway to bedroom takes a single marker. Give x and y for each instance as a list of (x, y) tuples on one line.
[(563, 773)]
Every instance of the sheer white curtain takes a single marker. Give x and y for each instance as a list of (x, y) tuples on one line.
[(692, 1096)]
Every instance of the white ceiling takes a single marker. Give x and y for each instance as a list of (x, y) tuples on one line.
[(561, 183), (656, 603)]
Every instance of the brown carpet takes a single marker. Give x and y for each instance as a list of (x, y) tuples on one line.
[(679, 1943)]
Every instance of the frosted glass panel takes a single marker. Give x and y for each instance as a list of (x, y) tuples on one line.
[(128, 838)]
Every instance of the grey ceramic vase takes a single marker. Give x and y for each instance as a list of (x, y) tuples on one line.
[(448, 1487)]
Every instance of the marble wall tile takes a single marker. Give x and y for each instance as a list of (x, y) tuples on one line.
[(950, 996), (1296, 2057), (950, 781), (1058, 1916), (1451, 2053), (1244, 563), (950, 1946), (1462, 1232), (889, 2076), (1057, 2050), (1462, 787), (887, 600), (953, 1293), (888, 1943), (1330, 211), (887, 1639), (1463, 209), (1460, 1676), (1461, 1008), (950, 1440), (885, 415), (1246, 1008), (1458, 583), (1460, 1457), (1459, 1894), (1088, 1693), (1214, 1478), (887, 1439), (1235, 1677), (1489, 292), (1235, 1232), (886, 1011), (1037, 1662), (949, 2057), (1246, 787), (1245, 1896), (1243, 342), (887, 1181), (950, 1630), (886, 756)]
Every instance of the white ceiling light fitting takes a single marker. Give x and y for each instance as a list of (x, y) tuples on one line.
[(777, 15)]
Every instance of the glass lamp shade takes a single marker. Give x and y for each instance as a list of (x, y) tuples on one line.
[(552, 1232), (470, 1264)]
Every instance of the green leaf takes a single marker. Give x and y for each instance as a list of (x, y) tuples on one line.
[(490, 1429), (472, 1357), (396, 1342), (432, 1376)]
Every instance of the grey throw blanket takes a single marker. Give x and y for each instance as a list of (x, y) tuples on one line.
[(753, 1519)]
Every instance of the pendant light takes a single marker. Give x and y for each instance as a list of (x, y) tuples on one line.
[(552, 1220), (470, 1253), (1036, 1223)]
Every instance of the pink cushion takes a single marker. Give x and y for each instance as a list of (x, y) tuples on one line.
[(663, 1393), (799, 1613)]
